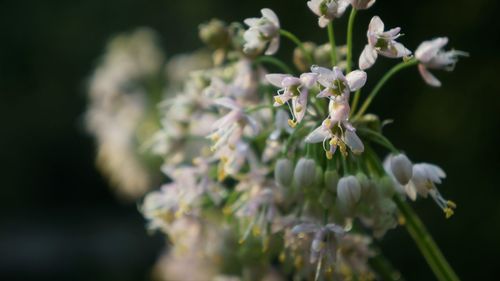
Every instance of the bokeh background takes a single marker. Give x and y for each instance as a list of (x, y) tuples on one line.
[(60, 221)]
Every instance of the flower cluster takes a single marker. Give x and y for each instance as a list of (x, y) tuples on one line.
[(280, 165)]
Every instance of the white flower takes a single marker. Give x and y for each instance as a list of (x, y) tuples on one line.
[(295, 89), (336, 83), (380, 42), (324, 242), (430, 54), (423, 180), (362, 4), (327, 10), (262, 31)]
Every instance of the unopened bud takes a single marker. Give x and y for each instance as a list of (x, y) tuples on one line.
[(348, 191), (401, 168), (283, 172), (305, 172), (214, 33)]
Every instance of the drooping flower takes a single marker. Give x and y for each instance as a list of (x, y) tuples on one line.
[(294, 89), (324, 244), (348, 191), (431, 55), (262, 32), (423, 182), (381, 42), (327, 10)]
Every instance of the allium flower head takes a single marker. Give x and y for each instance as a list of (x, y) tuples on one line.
[(430, 54), (327, 10), (261, 32), (381, 42)]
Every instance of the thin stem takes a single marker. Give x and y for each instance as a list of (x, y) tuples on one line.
[(355, 101), (331, 37), (425, 243), (380, 139), (381, 83), (299, 44), (350, 26), (274, 61)]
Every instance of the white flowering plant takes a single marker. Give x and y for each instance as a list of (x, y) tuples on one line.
[(272, 172)]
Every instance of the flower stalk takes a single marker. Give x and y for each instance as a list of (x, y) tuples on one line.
[(331, 38), (299, 44)]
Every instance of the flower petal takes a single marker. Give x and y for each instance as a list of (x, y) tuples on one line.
[(428, 77), (356, 80), (367, 57)]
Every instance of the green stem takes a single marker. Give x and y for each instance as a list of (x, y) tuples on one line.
[(299, 44), (425, 243), (355, 101), (350, 26), (331, 37), (380, 139), (381, 83), (274, 61)]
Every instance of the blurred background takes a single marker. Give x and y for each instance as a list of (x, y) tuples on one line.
[(60, 221)]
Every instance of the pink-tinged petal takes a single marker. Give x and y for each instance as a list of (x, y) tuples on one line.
[(251, 21), (308, 79), (376, 25), (227, 103), (325, 93), (392, 32), (367, 57), (314, 6), (290, 81), (273, 46), (299, 105), (335, 228), (226, 120), (318, 135), (325, 75), (428, 49), (401, 50), (339, 112), (428, 77), (338, 74), (356, 80), (269, 14), (275, 79)]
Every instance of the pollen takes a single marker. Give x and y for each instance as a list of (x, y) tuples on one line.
[(292, 123), (329, 155), (278, 100)]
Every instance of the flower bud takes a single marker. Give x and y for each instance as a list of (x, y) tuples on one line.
[(305, 172), (299, 58), (364, 182), (386, 187), (283, 172), (401, 168), (331, 180), (362, 4), (348, 191), (214, 33)]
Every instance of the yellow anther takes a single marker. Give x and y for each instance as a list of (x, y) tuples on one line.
[(278, 100), (329, 155), (292, 123), (221, 174), (232, 146), (215, 137), (241, 241), (448, 212), (282, 257), (327, 123), (451, 204), (401, 220)]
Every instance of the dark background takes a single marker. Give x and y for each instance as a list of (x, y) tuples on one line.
[(60, 221)]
